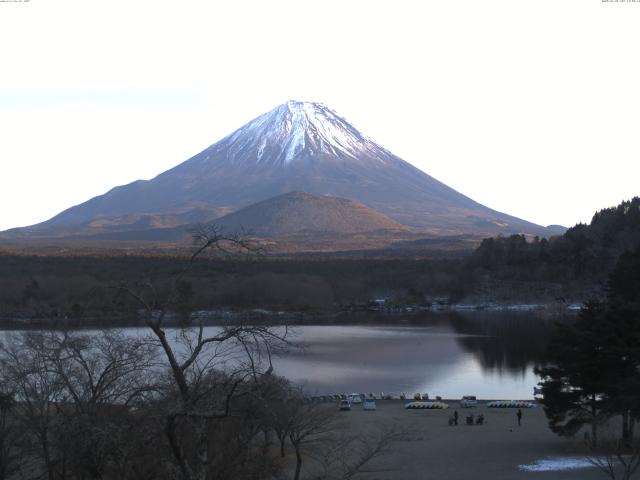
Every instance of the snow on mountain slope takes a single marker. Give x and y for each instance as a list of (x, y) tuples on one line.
[(304, 147), (293, 130)]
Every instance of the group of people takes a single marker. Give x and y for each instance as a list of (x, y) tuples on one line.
[(469, 419), (479, 419)]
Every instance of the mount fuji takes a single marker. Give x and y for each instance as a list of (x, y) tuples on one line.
[(296, 147)]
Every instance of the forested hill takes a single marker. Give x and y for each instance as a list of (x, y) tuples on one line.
[(584, 252)]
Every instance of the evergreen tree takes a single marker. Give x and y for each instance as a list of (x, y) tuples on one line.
[(623, 313), (574, 382), (593, 369)]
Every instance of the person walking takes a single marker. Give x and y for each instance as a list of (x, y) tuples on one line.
[(455, 417), (519, 415)]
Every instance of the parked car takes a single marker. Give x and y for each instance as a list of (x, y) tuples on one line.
[(355, 398), (468, 401), (369, 404), (345, 405)]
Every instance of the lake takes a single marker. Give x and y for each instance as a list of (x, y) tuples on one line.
[(488, 354)]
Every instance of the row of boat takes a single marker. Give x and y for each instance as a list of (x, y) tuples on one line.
[(492, 404)]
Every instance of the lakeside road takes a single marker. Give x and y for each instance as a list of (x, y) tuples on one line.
[(493, 451)]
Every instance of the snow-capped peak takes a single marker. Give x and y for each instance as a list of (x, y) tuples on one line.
[(295, 130)]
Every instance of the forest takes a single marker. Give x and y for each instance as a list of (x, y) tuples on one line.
[(82, 287), (575, 264)]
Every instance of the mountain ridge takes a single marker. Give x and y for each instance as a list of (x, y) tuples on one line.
[(297, 146), (301, 212)]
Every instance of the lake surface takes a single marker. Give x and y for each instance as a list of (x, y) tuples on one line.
[(488, 354), (491, 355)]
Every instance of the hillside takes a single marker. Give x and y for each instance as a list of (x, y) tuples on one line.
[(298, 146), (299, 212), (582, 258)]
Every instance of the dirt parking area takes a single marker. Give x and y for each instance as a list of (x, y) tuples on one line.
[(497, 450)]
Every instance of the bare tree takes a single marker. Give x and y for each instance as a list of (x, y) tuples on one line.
[(195, 355), (10, 435), (310, 423), (37, 390), (277, 404), (344, 457), (316, 432), (73, 394), (108, 368), (615, 457), (104, 375)]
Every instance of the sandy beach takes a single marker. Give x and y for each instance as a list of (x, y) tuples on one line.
[(497, 450)]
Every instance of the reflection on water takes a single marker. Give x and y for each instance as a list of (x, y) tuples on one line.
[(488, 354), (502, 341)]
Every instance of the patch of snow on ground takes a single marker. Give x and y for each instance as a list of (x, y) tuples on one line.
[(557, 464)]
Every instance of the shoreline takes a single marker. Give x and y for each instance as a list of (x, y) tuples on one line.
[(217, 317), (453, 403)]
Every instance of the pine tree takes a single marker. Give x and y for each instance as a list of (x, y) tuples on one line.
[(574, 382), (593, 366)]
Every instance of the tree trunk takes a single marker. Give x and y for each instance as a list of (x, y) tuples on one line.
[(203, 451), (266, 447), (170, 432), (625, 427), (4, 459), (298, 462), (47, 456), (178, 373), (594, 427)]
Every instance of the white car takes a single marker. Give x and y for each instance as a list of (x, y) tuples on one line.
[(355, 398), (369, 404), (345, 405), (469, 401)]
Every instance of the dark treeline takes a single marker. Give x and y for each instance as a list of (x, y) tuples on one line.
[(568, 268), (82, 286), (580, 259), (584, 250)]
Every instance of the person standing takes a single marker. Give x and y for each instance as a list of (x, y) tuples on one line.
[(519, 415), (455, 417)]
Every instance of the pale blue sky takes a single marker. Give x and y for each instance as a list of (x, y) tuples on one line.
[(530, 107)]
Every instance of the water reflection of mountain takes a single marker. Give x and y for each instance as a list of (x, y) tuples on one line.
[(503, 342), (509, 342), (490, 354)]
